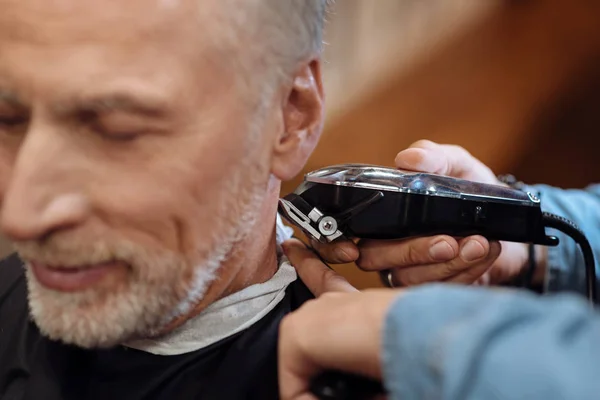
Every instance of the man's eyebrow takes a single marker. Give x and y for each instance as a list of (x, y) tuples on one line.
[(122, 102)]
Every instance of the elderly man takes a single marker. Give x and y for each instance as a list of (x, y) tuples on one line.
[(142, 146)]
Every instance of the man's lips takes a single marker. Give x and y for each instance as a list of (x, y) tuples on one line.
[(73, 279)]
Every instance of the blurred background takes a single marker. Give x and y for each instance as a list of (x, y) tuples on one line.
[(515, 82)]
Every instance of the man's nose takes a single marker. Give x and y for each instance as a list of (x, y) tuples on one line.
[(41, 196), (25, 217)]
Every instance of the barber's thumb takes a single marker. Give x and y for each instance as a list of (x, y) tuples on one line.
[(337, 252), (315, 274)]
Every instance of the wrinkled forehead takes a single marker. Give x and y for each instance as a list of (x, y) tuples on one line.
[(68, 21), (54, 48)]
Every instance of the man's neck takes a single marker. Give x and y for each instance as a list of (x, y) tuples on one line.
[(257, 263), (225, 317), (234, 310), (252, 261)]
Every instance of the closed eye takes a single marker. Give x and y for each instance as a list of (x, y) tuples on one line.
[(116, 134), (108, 127), (12, 122)]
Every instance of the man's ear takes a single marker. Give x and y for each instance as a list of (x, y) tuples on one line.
[(303, 111)]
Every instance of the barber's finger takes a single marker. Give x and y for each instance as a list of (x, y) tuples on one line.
[(338, 252), (295, 366), (422, 156), (474, 252), (317, 276), (376, 255), (474, 274), (443, 159)]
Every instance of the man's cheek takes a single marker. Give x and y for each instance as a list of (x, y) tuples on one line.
[(160, 219), (5, 172)]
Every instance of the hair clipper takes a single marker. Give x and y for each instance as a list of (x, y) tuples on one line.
[(372, 202)]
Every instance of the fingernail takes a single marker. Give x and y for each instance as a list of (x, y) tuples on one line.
[(472, 250), (342, 255), (441, 251)]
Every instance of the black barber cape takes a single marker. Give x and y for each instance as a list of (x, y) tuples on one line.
[(33, 367)]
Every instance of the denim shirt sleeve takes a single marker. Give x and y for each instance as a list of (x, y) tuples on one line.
[(566, 269), (461, 343)]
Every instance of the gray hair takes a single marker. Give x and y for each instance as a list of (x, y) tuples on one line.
[(280, 34), (293, 28)]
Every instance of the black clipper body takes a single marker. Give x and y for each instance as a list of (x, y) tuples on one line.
[(373, 202)]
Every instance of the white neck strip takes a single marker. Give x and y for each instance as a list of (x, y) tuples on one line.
[(229, 315)]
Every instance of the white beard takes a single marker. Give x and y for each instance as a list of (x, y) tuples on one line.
[(157, 292)]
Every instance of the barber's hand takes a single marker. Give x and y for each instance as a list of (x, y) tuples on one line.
[(438, 258), (340, 330)]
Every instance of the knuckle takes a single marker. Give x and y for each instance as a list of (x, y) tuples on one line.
[(456, 265), (407, 278), (366, 255), (364, 262), (445, 270), (411, 255), (459, 150), (329, 275), (330, 296), (473, 274), (476, 271), (325, 253), (423, 143)]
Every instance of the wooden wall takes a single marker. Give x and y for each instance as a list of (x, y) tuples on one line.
[(517, 85)]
